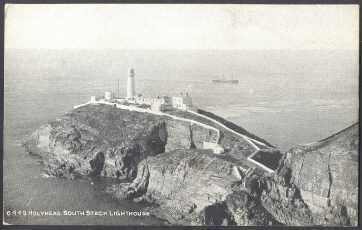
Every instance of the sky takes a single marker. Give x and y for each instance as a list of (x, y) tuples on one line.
[(180, 27)]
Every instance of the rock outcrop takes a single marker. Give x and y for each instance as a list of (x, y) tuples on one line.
[(103, 140), (163, 163), (326, 173), (194, 187), (97, 140)]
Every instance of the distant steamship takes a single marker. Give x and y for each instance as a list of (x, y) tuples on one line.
[(227, 81)]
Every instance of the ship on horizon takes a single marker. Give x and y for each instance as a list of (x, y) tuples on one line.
[(230, 81), (224, 80)]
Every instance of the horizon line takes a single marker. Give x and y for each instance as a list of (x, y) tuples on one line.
[(175, 49)]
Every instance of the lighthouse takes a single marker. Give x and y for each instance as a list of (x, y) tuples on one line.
[(131, 88)]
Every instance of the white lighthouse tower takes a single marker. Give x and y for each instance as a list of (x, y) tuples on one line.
[(131, 88)]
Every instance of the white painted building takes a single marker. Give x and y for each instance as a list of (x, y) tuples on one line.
[(143, 100), (93, 99), (182, 102), (156, 106), (108, 95), (160, 104)]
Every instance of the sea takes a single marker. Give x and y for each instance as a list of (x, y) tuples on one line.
[(287, 97)]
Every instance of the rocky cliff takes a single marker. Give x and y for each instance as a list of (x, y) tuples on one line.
[(194, 187), (163, 162), (199, 188), (315, 184), (103, 140), (326, 172)]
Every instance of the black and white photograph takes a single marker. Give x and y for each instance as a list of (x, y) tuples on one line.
[(181, 115)]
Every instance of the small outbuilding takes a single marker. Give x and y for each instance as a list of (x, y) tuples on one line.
[(108, 95), (183, 102), (160, 104), (93, 99)]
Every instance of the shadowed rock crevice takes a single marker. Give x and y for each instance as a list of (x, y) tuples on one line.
[(330, 181), (216, 214), (97, 164), (192, 144)]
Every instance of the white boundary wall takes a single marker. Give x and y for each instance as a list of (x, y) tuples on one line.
[(248, 139), (133, 108)]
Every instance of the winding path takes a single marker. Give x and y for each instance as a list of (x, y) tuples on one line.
[(132, 108), (246, 138), (251, 141)]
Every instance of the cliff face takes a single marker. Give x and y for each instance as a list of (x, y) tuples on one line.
[(326, 172), (194, 187), (163, 161), (199, 188), (103, 140), (97, 140)]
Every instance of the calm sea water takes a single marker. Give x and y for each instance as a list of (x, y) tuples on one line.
[(287, 98)]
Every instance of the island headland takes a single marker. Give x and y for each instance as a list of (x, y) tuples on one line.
[(197, 168)]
